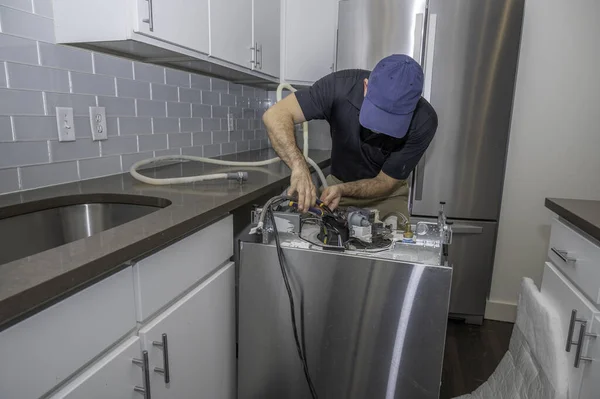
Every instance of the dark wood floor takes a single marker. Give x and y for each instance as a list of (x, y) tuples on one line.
[(472, 354)]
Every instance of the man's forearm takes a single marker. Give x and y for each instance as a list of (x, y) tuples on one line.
[(367, 188), (281, 132)]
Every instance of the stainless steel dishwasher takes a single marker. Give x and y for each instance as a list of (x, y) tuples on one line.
[(370, 324)]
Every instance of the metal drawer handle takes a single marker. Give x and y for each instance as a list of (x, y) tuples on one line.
[(563, 255), (574, 320), (144, 363), (165, 347), (150, 19), (582, 335)]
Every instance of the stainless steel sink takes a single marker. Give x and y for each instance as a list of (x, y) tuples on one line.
[(32, 232)]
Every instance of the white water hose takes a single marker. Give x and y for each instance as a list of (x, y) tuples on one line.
[(218, 176)]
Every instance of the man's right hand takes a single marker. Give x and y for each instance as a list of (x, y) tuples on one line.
[(301, 184)]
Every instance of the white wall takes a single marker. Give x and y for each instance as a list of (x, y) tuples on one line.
[(554, 148)]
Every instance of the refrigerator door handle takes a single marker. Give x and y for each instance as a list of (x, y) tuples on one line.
[(427, 56), (466, 229)]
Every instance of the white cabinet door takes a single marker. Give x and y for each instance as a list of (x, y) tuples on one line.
[(180, 22), (231, 31), (310, 28), (565, 298), (200, 332), (112, 377), (267, 36), (590, 385)]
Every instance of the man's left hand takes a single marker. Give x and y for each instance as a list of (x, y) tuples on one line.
[(332, 195)]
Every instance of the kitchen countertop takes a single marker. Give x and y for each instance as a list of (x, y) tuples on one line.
[(30, 284), (583, 214)]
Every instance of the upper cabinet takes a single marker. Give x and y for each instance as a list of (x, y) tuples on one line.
[(231, 31), (309, 38), (181, 22), (267, 36)]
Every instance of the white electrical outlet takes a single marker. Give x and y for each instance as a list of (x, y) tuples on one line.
[(64, 122), (98, 123), (230, 123)]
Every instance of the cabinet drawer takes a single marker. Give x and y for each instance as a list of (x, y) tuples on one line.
[(165, 275), (577, 257), (43, 350), (565, 298)]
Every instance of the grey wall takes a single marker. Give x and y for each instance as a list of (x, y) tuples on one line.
[(150, 110)]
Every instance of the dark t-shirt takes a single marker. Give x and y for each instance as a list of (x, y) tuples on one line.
[(357, 152)]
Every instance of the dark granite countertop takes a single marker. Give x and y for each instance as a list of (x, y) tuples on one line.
[(32, 283), (583, 214)]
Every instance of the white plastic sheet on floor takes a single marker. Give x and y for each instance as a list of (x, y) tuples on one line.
[(535, 366)]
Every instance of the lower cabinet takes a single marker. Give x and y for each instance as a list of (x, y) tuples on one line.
[(192, 343), (115, 376), (590, 386)]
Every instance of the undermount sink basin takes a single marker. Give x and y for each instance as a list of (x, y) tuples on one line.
[(33, 231)]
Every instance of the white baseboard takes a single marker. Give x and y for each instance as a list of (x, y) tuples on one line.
[(501, 311)]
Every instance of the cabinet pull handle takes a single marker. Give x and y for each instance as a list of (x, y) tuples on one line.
[(254, 49), (165, 348), (150, 19), (582, 335), (564, 256), (572, 322), (260, 50), (145, 364)]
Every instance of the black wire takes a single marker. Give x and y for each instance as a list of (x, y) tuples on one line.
[(282, 265)]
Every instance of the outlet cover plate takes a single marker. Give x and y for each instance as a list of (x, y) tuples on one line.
[(64, 122), (98, 123)]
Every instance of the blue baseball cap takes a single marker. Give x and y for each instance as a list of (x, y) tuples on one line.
[(395, 87)]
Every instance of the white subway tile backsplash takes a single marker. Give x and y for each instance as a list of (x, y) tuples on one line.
[(133, 89), (21, 102), (228, 99), (242, 102), (210, 98), (72, 150), (179, 140), (201, 111), (153, 142), (43, 7), (80, 103), (116, 106), (129, 159), (193, 151), (83, 129), (255, 144), (5, 129), (24, 5), (96, 167), (85, 83), (23, 153), (132, 125), (17, 49), (9, 180), (179, 110), (148, 72), (220, 137), (213, 150), (172, 151), (165, 125), (191, 124), (112, 126), (3, 82), (236, 136), (119, 145), (151, 108), (247, 91), (65, 57), (243, 146), (35, 128), (164, 93), (218, 85), (177, 78), (228, 148), (105, 64), (235, 89), (209, 124), (200, 82), (201, 138), (236, 112), (219, 111), (27, 25), (190, 95), (242, 124), (48, 175), (248, 135), (260, 134)]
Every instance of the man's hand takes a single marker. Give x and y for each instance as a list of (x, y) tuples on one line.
[(332, 195), (301, 184)]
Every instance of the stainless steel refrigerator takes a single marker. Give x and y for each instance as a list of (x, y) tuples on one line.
[(468, 50)]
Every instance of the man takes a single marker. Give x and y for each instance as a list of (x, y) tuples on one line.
[(380, 128)]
